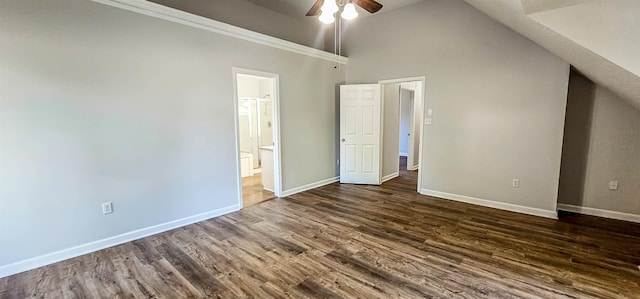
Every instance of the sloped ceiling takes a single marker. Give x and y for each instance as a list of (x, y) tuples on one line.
[(600, 38), (298, 8), (533, 6), (292, 8)]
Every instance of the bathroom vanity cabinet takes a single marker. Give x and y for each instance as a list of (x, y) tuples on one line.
[(266, 155)]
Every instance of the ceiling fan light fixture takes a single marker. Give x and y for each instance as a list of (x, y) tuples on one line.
[(326, 17), (329, 7), (349, 12)]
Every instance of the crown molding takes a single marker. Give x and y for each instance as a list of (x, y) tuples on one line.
[(177, 16)]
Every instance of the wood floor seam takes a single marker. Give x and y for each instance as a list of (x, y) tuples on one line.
[(357, 241)]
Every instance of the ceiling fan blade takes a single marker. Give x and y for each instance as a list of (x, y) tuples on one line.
[(315, 9), (369, 5)]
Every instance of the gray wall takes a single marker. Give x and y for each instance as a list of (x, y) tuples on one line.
[(100, 104), (498, 99), (305, 31), (575, 146), (602, 142)]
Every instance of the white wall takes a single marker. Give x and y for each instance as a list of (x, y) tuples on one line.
[(498, 100), (266, 110), (245, 130), (602, 142), (390, 129), (100, 104), (242, 13), (252, 87), (266, 88), (248, 86), (406, 111)]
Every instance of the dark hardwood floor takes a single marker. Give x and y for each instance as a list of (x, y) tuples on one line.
[(358, 242)]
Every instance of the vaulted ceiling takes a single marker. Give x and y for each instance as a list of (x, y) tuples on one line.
[(298, 8), (600, 38)]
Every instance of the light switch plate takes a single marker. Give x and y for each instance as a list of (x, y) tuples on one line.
[(107, 208)]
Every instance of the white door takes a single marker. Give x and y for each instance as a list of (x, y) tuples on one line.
[(360, 134)]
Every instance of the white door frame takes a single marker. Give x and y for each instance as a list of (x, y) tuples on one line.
[(275, 100), (422, 100)]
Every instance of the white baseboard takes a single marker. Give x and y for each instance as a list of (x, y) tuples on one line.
[(79, 250), (414, 167), (390, 177), (404, 154), (306, 187), (600, 213), (492, 204)]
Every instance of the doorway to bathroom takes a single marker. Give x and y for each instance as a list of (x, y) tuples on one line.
[(257, 132)]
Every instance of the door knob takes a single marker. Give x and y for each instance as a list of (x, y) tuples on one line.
[(343, 140)]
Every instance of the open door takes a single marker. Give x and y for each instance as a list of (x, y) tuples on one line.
[(360, 134)]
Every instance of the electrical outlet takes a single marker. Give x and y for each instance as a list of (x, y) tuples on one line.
[(107, 208), (515, 183), (428, 121), (613, 185)]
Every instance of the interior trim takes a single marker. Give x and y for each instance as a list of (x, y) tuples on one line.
[(492, 204), (599, 212), (423, 99), (310, 186), (67, 253), (390, 177), (181, 17)]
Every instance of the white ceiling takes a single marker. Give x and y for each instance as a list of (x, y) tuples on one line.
[(533, 6), (298, 8), (611, 29), (600, 38)]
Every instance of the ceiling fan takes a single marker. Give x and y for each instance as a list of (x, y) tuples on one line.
[(327, 8)]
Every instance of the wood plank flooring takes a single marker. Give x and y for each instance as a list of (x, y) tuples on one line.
[(347, 241), (253, 192)]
